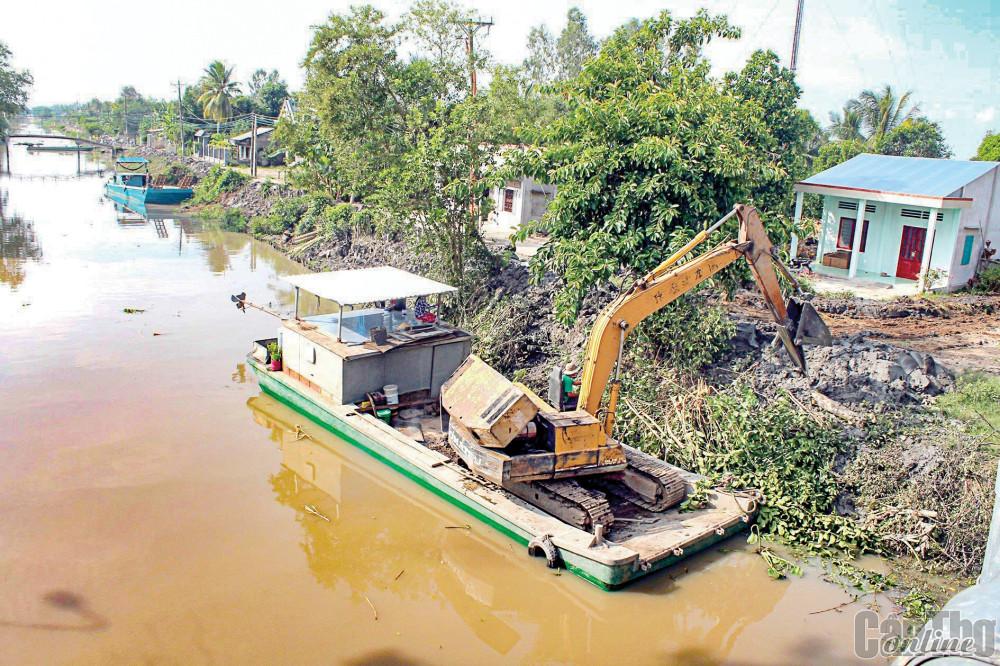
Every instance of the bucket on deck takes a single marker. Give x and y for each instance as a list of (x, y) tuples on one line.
[(391, 394), (384, 415)]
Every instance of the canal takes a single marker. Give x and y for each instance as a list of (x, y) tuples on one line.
[(154, 507)]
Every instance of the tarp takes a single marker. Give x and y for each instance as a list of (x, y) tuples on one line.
[(367, 285), (921, 176)]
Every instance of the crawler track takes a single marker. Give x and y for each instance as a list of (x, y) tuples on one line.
[(567, 500), (647, 482)]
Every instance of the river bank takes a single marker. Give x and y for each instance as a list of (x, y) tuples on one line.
[(903, 468)]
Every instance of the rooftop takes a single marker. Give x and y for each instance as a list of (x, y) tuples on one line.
[(367, 285), (905, 178)]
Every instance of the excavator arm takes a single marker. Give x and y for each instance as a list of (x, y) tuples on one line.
[(665, 284)]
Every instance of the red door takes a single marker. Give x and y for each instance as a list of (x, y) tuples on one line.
[(911, 251)]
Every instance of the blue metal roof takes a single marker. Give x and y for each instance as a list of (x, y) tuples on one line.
[(133, 160), (922, 176)]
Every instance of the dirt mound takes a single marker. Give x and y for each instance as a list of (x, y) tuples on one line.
[(854, 370)]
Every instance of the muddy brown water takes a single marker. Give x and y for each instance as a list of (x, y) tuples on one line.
[(155, 507)]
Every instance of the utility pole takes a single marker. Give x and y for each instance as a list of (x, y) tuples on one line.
[(253, 145), (471, 27), (798, 33), (180, 117), (125, 117)]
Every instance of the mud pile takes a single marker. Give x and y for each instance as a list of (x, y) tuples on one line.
[(854, 370)]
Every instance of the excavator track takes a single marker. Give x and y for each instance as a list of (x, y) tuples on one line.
[(568, 501), (646, 482)]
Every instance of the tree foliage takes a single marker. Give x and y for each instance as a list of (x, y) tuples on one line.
[(551, 59), (882, 111), (403, 134), (652, 147), (989, 148), (915, 137), (14, 86), (218, 89)]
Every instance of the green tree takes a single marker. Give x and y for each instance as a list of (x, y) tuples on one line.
[(575, 45), (915, 137), (429, 195), (989, 148), (652, 147), (882, 111), (846, 126), (218, 89), (542, 63), (550, 59), (14, 86)]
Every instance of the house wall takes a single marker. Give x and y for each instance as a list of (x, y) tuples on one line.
[(885, 232), (531, 198), (981, 221)]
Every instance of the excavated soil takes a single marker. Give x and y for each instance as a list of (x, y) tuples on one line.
[(963, 332)]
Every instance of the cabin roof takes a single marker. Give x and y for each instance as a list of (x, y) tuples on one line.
[(367, 285), (132, 160)]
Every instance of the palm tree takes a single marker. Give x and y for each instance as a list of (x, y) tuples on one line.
[(217, 91), (846, 126), (882, 111)]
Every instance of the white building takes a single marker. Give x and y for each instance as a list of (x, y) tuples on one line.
[(518, 202), (922, 217)]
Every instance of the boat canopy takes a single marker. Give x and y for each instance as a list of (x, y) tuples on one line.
[(367, 285), (132, 160)]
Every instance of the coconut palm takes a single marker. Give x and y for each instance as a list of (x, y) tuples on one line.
[(881, 111), (846, 126), (217, 91)]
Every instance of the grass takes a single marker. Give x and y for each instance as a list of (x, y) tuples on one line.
[(976, 401)]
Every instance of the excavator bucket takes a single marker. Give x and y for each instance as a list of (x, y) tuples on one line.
[(807, 327)]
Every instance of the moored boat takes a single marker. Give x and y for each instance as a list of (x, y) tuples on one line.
[(373, 375), (132, 185)]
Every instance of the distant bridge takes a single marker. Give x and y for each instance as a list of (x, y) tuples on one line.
[(90, 142)]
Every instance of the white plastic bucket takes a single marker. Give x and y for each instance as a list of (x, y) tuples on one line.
[(391, 394)]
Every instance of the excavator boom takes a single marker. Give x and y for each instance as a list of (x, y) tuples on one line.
[(665, 284)]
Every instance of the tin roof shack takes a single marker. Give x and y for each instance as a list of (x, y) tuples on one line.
[(243, 145), (367, 344), (925, 221)]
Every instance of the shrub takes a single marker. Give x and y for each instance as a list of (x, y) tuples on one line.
[(988, 281), (173, 173), (686, 335), (337, 218), (266, 225), (216, 182)]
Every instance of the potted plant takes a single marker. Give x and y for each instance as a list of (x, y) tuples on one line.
[(274, 354)]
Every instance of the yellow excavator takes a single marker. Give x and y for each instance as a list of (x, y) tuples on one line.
[(567, 462)]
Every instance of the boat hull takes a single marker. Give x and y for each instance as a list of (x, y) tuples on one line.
[(608, 567), (163, 196)]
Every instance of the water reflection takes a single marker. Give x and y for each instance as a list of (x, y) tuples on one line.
[(361, 531), (18, 245)]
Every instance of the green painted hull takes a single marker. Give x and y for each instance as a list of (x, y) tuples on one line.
[(600, 574)]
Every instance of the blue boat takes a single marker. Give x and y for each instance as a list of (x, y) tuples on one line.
[(132, 185)]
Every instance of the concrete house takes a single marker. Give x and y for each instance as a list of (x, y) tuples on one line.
[(922, 217), (517, 202)]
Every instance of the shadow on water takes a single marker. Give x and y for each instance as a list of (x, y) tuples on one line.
[(69, 602)]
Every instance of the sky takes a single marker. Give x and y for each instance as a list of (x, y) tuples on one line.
[(947, 52)]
